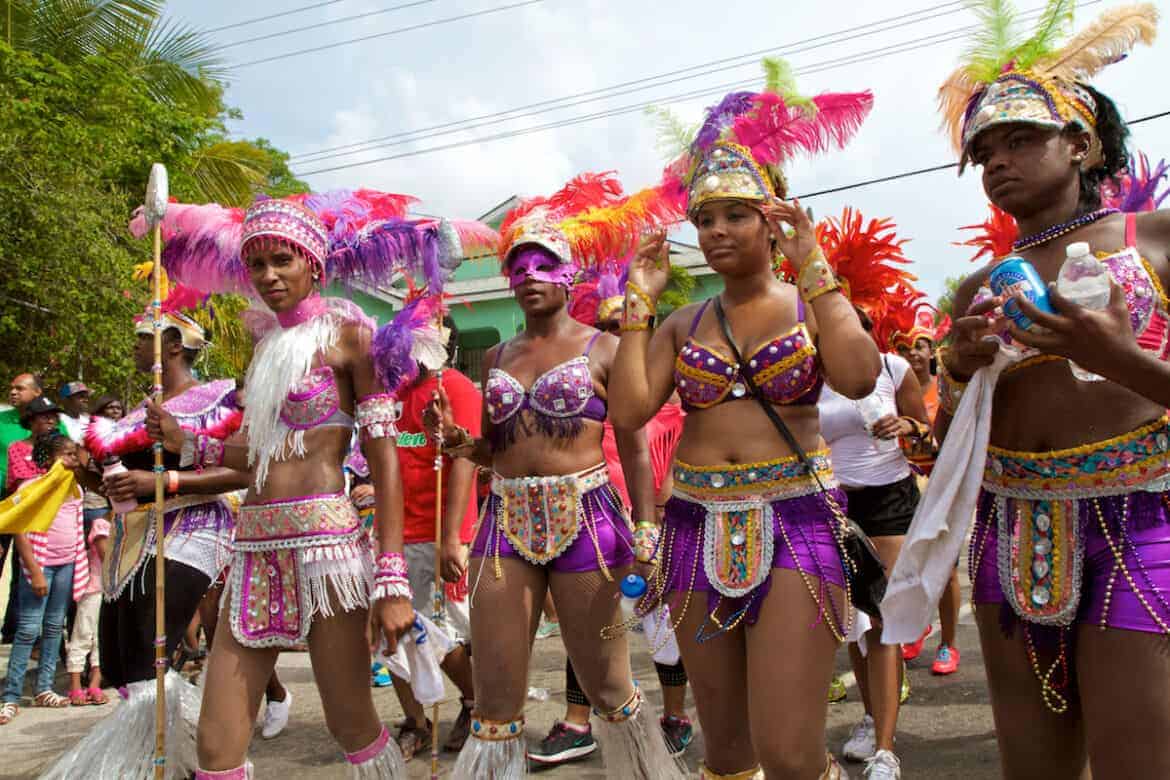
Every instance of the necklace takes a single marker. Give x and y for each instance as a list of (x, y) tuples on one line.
[(1056, 231)]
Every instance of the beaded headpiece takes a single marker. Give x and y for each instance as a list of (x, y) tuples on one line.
[(587, 222), (1012, 79), (738, 150), (287, 223), (904, 325)]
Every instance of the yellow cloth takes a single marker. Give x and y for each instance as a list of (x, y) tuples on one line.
[(35, 503)]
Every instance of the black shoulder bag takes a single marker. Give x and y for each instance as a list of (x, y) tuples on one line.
[(863, 567)]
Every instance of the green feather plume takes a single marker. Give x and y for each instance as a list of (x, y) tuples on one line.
[(779, 79), (1053, 24), (674, 135)]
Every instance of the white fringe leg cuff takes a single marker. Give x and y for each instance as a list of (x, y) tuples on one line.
[(122, 745), (380, 760), (495, 751), (633, 746)]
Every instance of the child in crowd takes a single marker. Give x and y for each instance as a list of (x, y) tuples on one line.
[(55, 568), (83, 642)]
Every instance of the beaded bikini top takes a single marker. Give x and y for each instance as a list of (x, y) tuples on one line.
[(785, 369), (559, 399), (314, 401), (1144, 295)]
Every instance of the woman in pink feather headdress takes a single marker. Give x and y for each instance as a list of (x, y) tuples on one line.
[(750, 559), (302, 568)]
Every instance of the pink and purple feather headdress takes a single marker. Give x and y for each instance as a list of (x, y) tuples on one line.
[(744, 140), (352, 236)]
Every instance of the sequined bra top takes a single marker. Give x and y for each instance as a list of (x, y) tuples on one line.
[(785, 369), (559, 399), (314, 401), (1143, 294)]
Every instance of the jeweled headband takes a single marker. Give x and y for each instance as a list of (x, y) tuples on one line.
[(285, 223), (191, 332)]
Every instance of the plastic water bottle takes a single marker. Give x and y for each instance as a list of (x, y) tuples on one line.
[(1084, 280), (872, 408), (633, 587), (111, 467)]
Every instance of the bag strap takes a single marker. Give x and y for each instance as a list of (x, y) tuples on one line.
[(754, 392)]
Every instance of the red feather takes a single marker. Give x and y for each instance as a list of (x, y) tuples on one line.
[(999, 234)]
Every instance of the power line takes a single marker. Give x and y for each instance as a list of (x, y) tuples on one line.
[(326, 23), (713, 90), (789, 48), (290, 12), (411, 28), (936, 168), (852, 59)]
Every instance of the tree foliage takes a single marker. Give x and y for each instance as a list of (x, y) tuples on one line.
[(76, 144), (946, 302)]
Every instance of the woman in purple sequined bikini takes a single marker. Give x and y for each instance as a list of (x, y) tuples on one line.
[(553, 521), (750, 559), (1070, 551)]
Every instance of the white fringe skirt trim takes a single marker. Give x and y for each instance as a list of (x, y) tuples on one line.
[(381, 760), (121, 746), (632, 744)]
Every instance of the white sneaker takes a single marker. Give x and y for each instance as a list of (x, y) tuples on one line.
[(883, 766), (862, 742), (276, 716)]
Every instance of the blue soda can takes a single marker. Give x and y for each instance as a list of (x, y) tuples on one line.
[(1015, 276)]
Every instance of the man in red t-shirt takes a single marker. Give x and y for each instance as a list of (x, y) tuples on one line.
[(416, 459)]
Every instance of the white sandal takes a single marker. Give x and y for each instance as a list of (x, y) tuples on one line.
[(50, 699), (8, 711)]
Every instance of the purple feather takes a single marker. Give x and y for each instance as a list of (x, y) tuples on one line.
[(719, 117), (393, 342)]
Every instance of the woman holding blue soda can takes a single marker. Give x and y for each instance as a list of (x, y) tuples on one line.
[(1070, 554)]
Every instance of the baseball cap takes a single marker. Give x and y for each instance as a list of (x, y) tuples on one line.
[(70, 389), (38, 405)]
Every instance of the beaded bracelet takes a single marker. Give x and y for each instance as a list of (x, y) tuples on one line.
[(639, 309), (390, 577), (646, 542), (375, 416), (816, 277), (950, 390)]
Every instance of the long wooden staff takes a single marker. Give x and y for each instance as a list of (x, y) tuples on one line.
[(437, 592), (155, 210)]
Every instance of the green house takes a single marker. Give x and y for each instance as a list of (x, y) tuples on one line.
[(483, 307)]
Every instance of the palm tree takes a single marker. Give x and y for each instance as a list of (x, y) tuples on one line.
[(178, 65)]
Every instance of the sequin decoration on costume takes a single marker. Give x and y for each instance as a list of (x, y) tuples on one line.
[(1143, 290), (738, 545), (497, 730), (778, 479), (542, 516), (1136, 460), (1041, 554), (273, 590), (301, 522), (562, 391), (311, 400)]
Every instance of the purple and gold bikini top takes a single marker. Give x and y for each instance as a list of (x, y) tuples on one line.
[(785, 369), (314, 401), (560, 399)]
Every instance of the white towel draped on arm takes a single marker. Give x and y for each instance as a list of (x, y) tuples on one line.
[(940, 525)]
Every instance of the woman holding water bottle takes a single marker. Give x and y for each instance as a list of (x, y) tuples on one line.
[(883, 493), (1070, 554)]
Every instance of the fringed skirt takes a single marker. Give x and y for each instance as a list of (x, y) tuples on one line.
[(295, 559)]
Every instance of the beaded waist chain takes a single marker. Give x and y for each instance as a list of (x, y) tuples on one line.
[(773, 480), (1124, 464)]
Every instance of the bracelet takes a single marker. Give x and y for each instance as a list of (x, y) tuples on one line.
[(639, 310), (173, 482), (464, 447), (375, 416), (950, 390), (816, 277), (390, 577), (917, 429), (646, 542)]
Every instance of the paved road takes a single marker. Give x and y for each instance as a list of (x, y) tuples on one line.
[(945, 730)]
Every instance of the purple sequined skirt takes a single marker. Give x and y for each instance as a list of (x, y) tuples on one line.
[(573, 523), (1079, 535), (725, 530)]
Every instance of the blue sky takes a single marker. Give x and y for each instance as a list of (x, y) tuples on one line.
[(553, 48)]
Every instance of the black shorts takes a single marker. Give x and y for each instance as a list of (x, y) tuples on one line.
[(884, 510)]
